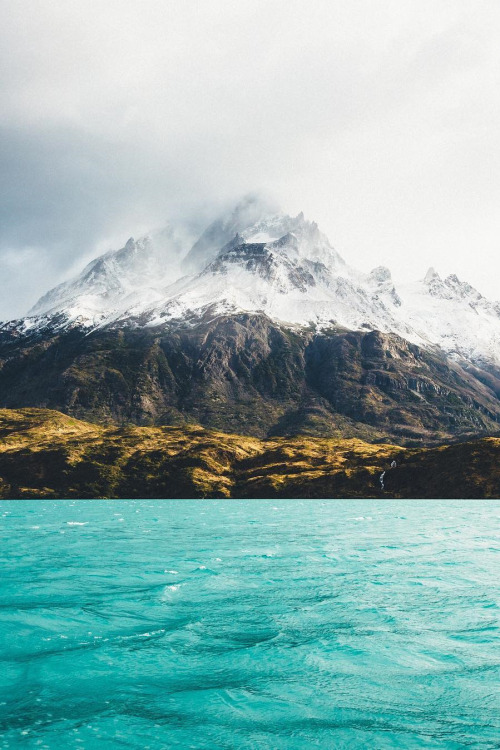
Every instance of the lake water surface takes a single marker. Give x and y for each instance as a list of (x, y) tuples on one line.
[(250, 624)]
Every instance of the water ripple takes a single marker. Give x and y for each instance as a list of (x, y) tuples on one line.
[(243, 625)]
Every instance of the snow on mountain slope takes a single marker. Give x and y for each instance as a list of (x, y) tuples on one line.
[(258, 259), (453, 315), (118, 279), (254, 220), (274, 278)]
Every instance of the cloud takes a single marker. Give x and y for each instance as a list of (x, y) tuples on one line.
[(380, 120)]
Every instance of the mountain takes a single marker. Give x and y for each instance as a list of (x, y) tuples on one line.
[(256, 259), (258, 221), (258, 322), (246, 371), (116, 280)]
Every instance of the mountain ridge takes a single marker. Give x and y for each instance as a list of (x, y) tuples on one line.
[(247, 369), (260, 260), (273, 330)]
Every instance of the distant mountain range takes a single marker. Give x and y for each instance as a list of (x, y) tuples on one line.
[(258, 326)]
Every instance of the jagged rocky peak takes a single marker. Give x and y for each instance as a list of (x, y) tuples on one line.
[(118, 283), (431, 275), (380, 274), (150, 261), (248, 212), (451, 288), (380, 280), (462, 288), (257, 259), (259, 220), (289, 240), (255, 271)]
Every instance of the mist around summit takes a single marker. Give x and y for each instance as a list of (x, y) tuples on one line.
[(255, 258), (378, 122)]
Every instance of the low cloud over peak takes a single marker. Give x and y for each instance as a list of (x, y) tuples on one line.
[(380, 122)]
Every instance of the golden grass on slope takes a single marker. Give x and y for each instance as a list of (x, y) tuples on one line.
[(23, 427), (45, 453)]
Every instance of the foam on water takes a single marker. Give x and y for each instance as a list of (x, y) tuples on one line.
[(341, 624)]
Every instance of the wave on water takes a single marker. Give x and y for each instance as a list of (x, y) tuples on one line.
[(314, 632)]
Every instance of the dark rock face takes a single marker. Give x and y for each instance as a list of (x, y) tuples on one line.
[(260, 259), (246, 373), (384, 381)]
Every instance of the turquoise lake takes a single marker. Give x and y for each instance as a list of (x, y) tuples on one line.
[(250, 624)]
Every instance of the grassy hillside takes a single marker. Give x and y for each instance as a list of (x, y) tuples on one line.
[(44, 453)]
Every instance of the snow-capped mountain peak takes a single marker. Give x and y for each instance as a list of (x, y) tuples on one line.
[(135, 270), (256, 258), (257, 220)]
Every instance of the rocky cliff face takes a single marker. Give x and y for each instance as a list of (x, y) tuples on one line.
[(246, 372)]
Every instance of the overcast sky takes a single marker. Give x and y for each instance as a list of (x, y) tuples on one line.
[(378, 119)]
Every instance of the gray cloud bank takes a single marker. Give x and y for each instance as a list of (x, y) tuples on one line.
[(379, 120)]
